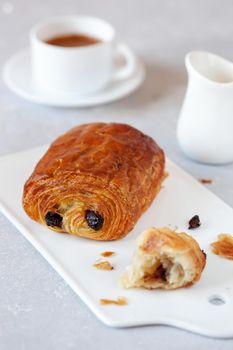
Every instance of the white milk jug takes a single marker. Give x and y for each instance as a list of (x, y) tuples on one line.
[(205, 126)]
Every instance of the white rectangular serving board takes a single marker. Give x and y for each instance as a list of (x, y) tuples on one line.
[(73, 257)]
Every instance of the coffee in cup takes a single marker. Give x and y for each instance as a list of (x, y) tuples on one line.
[(76, 54)]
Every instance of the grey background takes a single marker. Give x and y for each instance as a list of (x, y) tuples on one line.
[(37, 309)]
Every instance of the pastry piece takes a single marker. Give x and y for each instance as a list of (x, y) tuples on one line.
[(121, 301), (107, 254), (206, 181), (103, 265), (223, 246), (95, 181), (164, 259)]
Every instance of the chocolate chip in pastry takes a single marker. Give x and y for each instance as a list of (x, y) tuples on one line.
[(95, 181), (53, 219), (164, 259)]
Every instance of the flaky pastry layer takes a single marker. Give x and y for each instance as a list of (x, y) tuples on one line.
[(164, 259), (95, 181)]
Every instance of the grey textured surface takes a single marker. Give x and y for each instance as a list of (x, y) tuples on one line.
[(37, 309)]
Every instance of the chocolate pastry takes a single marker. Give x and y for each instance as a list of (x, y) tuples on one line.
[(164, 259), (95, 181)]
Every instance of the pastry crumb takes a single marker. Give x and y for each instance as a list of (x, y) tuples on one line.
[(107, 254), (223, 246), (121, 301), (206, 181), (103, 265)]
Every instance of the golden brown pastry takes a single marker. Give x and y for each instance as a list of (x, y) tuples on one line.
[(223, 246), (164, 259), (103, 265), (95, 181), (121, 301)]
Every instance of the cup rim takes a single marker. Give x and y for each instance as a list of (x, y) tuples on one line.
[(33, 34)]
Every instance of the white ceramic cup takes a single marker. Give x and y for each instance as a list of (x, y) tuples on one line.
[(81, 70)]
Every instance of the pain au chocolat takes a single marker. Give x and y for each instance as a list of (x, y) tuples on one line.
[(164, 259), (95, 181)]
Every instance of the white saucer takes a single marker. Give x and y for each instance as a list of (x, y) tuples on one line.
[(18, 78)]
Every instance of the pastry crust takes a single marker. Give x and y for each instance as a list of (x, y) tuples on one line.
[(95, 181), (164, 259), (223, 246)]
